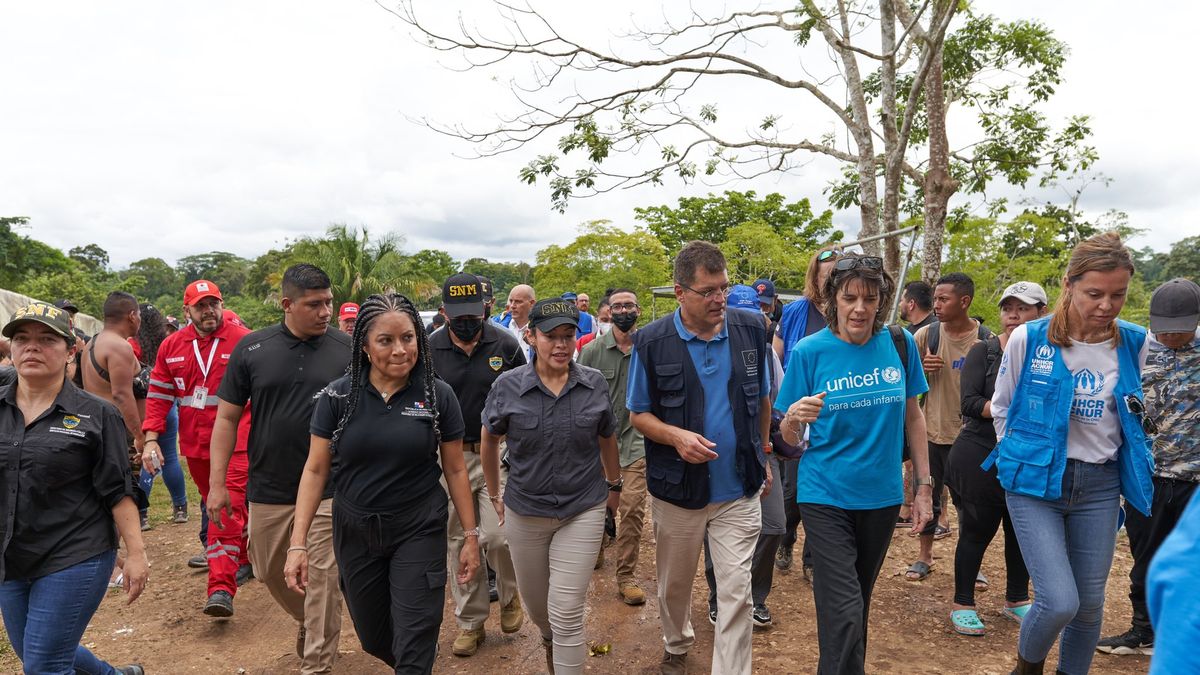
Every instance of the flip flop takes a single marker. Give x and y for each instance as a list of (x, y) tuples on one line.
[(966, 622), (981, 582), (920, 569), (901, 521), (940, 532), (1017, 613)]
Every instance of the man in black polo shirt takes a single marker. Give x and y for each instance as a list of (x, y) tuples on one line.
[(280, 370), (469, 356)]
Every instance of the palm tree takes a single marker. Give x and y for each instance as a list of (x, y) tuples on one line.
[(358, 267)]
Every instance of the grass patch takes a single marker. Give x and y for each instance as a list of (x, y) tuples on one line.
[(160, 499)]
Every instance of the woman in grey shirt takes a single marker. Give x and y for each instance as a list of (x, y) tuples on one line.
[(562, 449)]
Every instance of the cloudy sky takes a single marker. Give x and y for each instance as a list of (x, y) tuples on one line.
[(167, 129)]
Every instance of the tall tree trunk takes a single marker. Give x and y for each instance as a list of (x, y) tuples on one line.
[(939, 184), (893, 149)]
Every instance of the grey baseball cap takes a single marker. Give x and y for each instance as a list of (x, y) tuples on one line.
[(1175, 307), (1025, 291)]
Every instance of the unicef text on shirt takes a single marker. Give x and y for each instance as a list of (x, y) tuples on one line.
[(891, 375), (854, 384)]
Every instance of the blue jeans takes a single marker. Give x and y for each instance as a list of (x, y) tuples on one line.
[(45, 617), (1068, 547), (172, 472)]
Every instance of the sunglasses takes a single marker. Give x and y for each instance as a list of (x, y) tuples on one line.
[(711, 294), (847, 264), (1135, 406), (825, 256)]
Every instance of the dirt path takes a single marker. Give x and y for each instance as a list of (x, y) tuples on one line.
[(166, 631)]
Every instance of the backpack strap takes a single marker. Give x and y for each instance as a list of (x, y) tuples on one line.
[(993, 351), (933, 338), (901, 345)]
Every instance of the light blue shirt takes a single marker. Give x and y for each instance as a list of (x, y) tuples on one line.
[(855, 445), (713, 365)]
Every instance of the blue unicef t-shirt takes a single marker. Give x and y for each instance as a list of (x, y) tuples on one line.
[(854, 452), (714, 367)]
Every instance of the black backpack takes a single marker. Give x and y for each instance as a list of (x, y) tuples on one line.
[(934, 339)]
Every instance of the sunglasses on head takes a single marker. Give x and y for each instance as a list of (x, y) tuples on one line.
[(847, 264), (825, 256)]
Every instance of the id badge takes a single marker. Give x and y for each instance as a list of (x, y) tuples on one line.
[(200, 397)]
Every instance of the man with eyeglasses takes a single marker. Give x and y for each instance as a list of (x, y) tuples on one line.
[(698, 391), (610, 354), (1171, 383)]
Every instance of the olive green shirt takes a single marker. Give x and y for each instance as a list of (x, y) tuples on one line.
[(604, 355)]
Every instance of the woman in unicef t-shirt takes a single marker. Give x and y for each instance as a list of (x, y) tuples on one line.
[(849, 384)]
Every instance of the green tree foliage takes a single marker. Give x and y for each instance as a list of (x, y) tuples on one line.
[(255, 312), (91, 256), (358, 267), (22, 258), (163, 285), (85, 289), (709, 219), (755, 250), (602, 257), (1183, 260), (504, 275), (226, 270)]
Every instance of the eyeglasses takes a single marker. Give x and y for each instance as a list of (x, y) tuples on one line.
[(624, 306), (711, 293), (825, 256), (1135, 406), (847, 264)]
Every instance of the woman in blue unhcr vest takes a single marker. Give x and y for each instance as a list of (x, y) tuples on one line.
[(1068, 413), (855, 384)]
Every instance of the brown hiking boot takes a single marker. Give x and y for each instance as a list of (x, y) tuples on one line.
[(673, 664), (467, 642), (512, 616), (300, 636), (631, 594)]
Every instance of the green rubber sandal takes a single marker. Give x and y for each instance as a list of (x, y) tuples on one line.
[(1018, 613), (966, 622)]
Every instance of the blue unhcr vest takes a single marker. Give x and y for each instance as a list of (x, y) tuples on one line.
[(1031, 457)]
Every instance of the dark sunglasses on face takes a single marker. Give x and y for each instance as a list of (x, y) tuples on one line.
[(847, 264), (1135, 406)]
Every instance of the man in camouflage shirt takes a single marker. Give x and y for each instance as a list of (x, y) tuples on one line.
[(1171, 383)]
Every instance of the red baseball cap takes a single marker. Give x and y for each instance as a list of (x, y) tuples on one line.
[(200, 289), (348, 310)]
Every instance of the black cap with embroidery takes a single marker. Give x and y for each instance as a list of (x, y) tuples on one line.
[(55, 318), (547, 315), (462, 295), (485, 286)]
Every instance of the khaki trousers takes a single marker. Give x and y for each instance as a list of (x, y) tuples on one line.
[(631, 516), (320, 608), (732, 528), (471, 602)]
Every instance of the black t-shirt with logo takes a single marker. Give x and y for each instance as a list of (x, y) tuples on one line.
[(471, 377), (281, 376), (387, 455)]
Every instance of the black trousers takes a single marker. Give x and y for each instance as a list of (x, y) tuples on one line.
[(791, 510), (392, 571), (848, 549), (1147, 534), (977, 523), (939, 459)]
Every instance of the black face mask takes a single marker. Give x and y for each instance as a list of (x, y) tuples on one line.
[(466, 328), (625, 321)]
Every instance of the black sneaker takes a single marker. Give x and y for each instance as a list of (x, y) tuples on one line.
[(761, 616), (783, 559), (1127, 644), (493, 594), (712, 615), (245, 574), (132, 669), (220, 605), (198, 562), (146, 526)]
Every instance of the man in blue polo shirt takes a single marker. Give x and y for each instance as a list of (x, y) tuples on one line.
[(698, 391)]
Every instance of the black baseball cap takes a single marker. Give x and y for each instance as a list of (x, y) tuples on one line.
[(1175, 307), (462, 295), (547, 315), (63, 303), (55, 317), (485, 286)]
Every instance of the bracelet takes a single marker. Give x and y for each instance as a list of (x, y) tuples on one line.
[(495, 498), (297, 548), (473, 532), (150, 440)]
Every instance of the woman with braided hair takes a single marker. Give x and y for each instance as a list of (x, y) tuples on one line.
[(388, 421)]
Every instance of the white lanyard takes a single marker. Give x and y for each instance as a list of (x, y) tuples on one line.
[(205, 367)]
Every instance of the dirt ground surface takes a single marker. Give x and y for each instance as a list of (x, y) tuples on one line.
[(909, 631)]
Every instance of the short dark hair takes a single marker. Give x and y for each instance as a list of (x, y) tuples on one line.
[(920, 293), (693, 256), (302, 278), (614, 291), (118, 304), (963, 284), (604, 301), (876, 278)]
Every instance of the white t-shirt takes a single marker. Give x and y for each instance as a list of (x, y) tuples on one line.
[(1094, 431)]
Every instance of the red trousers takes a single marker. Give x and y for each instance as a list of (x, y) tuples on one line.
[(226, 544)]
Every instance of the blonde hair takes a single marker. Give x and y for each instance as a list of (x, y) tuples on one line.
[(812, 289), (1102, 253)]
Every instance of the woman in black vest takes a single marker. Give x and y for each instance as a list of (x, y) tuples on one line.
[(981, 506)]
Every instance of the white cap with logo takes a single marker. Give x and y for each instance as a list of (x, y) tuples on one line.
[(1025, 291)]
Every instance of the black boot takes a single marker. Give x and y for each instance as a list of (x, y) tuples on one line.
[(1026, 668)]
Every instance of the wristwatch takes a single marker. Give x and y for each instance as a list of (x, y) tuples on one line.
[(615, 485), (928, 480)]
